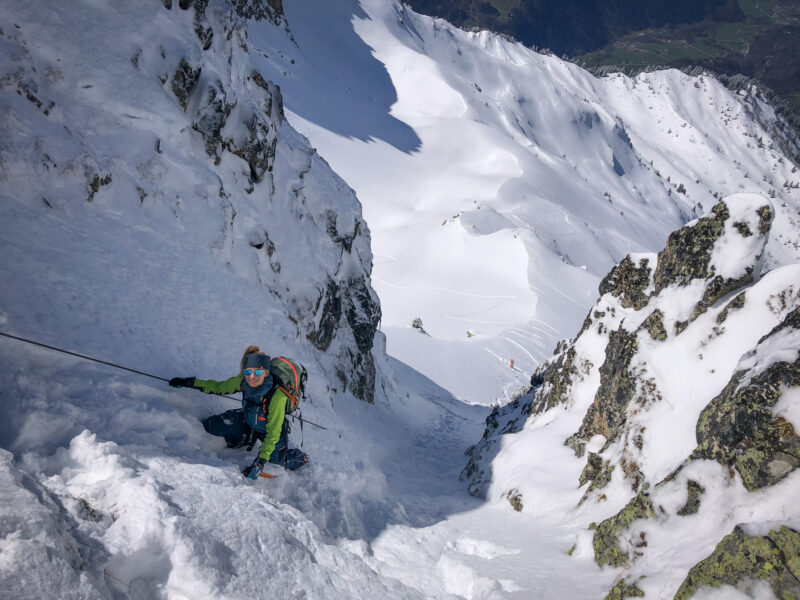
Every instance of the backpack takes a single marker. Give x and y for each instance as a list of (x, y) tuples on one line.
[(289, 377)]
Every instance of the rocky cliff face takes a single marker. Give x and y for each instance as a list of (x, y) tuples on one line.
[(169, 115), (687, 373)]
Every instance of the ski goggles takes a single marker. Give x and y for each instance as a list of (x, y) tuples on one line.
[(256, 372)]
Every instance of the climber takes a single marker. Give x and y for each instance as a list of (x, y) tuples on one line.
[(262, 416)]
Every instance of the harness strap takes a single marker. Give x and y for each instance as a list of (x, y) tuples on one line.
[(251, 440), (300, 414)]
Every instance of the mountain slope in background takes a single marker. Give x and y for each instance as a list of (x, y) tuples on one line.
[(574, 27), (754, 39), (501, 185)]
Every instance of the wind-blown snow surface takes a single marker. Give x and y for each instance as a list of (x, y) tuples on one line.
[(499, 184), (109, 487)]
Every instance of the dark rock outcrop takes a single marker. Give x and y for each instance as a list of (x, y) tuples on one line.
[(628, 282), (654, 325), (183, 82), (694, 497), (555, 379), (598, 472), (617, 387), (363, 313), (687, 255), (245, 119), (270, 10)]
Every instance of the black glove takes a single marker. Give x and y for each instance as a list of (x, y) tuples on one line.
[(179, 382), (254, 470)]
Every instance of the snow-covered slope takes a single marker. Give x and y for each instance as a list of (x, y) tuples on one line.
[(157, 210), (501, 185), (671, 417)]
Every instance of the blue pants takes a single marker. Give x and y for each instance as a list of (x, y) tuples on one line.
[(232, 426)]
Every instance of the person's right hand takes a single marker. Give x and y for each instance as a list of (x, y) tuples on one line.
[(254, 470), (179, 382)]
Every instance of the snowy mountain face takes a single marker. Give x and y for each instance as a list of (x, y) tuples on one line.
[(501, 185), (159, 212), (678, 403), (162, 207), (104, 134)]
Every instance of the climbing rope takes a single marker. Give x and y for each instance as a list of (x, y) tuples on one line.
[(116, 366)]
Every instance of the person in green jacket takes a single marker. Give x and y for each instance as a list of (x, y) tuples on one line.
[(262, 415)]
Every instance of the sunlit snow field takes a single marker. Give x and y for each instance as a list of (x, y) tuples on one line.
[(501, 185)]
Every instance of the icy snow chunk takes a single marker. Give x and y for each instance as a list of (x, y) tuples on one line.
[(37, 549), (481, 548), (783, 346), (461, 580), (756, 590)]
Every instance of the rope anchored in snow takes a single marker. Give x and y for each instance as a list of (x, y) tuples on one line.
[(116, 366)]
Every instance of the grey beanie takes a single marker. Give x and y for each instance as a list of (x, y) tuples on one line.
[(256, 360)]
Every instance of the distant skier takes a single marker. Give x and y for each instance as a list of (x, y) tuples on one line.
[(262, 416)]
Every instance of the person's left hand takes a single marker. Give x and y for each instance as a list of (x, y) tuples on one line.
[(254, 470)]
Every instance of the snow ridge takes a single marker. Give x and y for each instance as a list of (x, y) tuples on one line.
[(657, 401)]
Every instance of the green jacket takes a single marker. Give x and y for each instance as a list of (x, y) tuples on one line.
[(276, 410)]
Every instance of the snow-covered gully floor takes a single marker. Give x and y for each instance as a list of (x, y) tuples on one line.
[(115, 491)]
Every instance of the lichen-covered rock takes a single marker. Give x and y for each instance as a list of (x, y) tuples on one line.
[(718, 287), (738, 427), (654, 325), (687, 255), (362, 311), (258, 148), (774, 558), (694, 497), (555, 379), (628, 282), (549, 387), (607, 550), (593, 468), (598, 471), (623, 590), (736, 304), (765, 215), (95, 184), (606, 415)]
